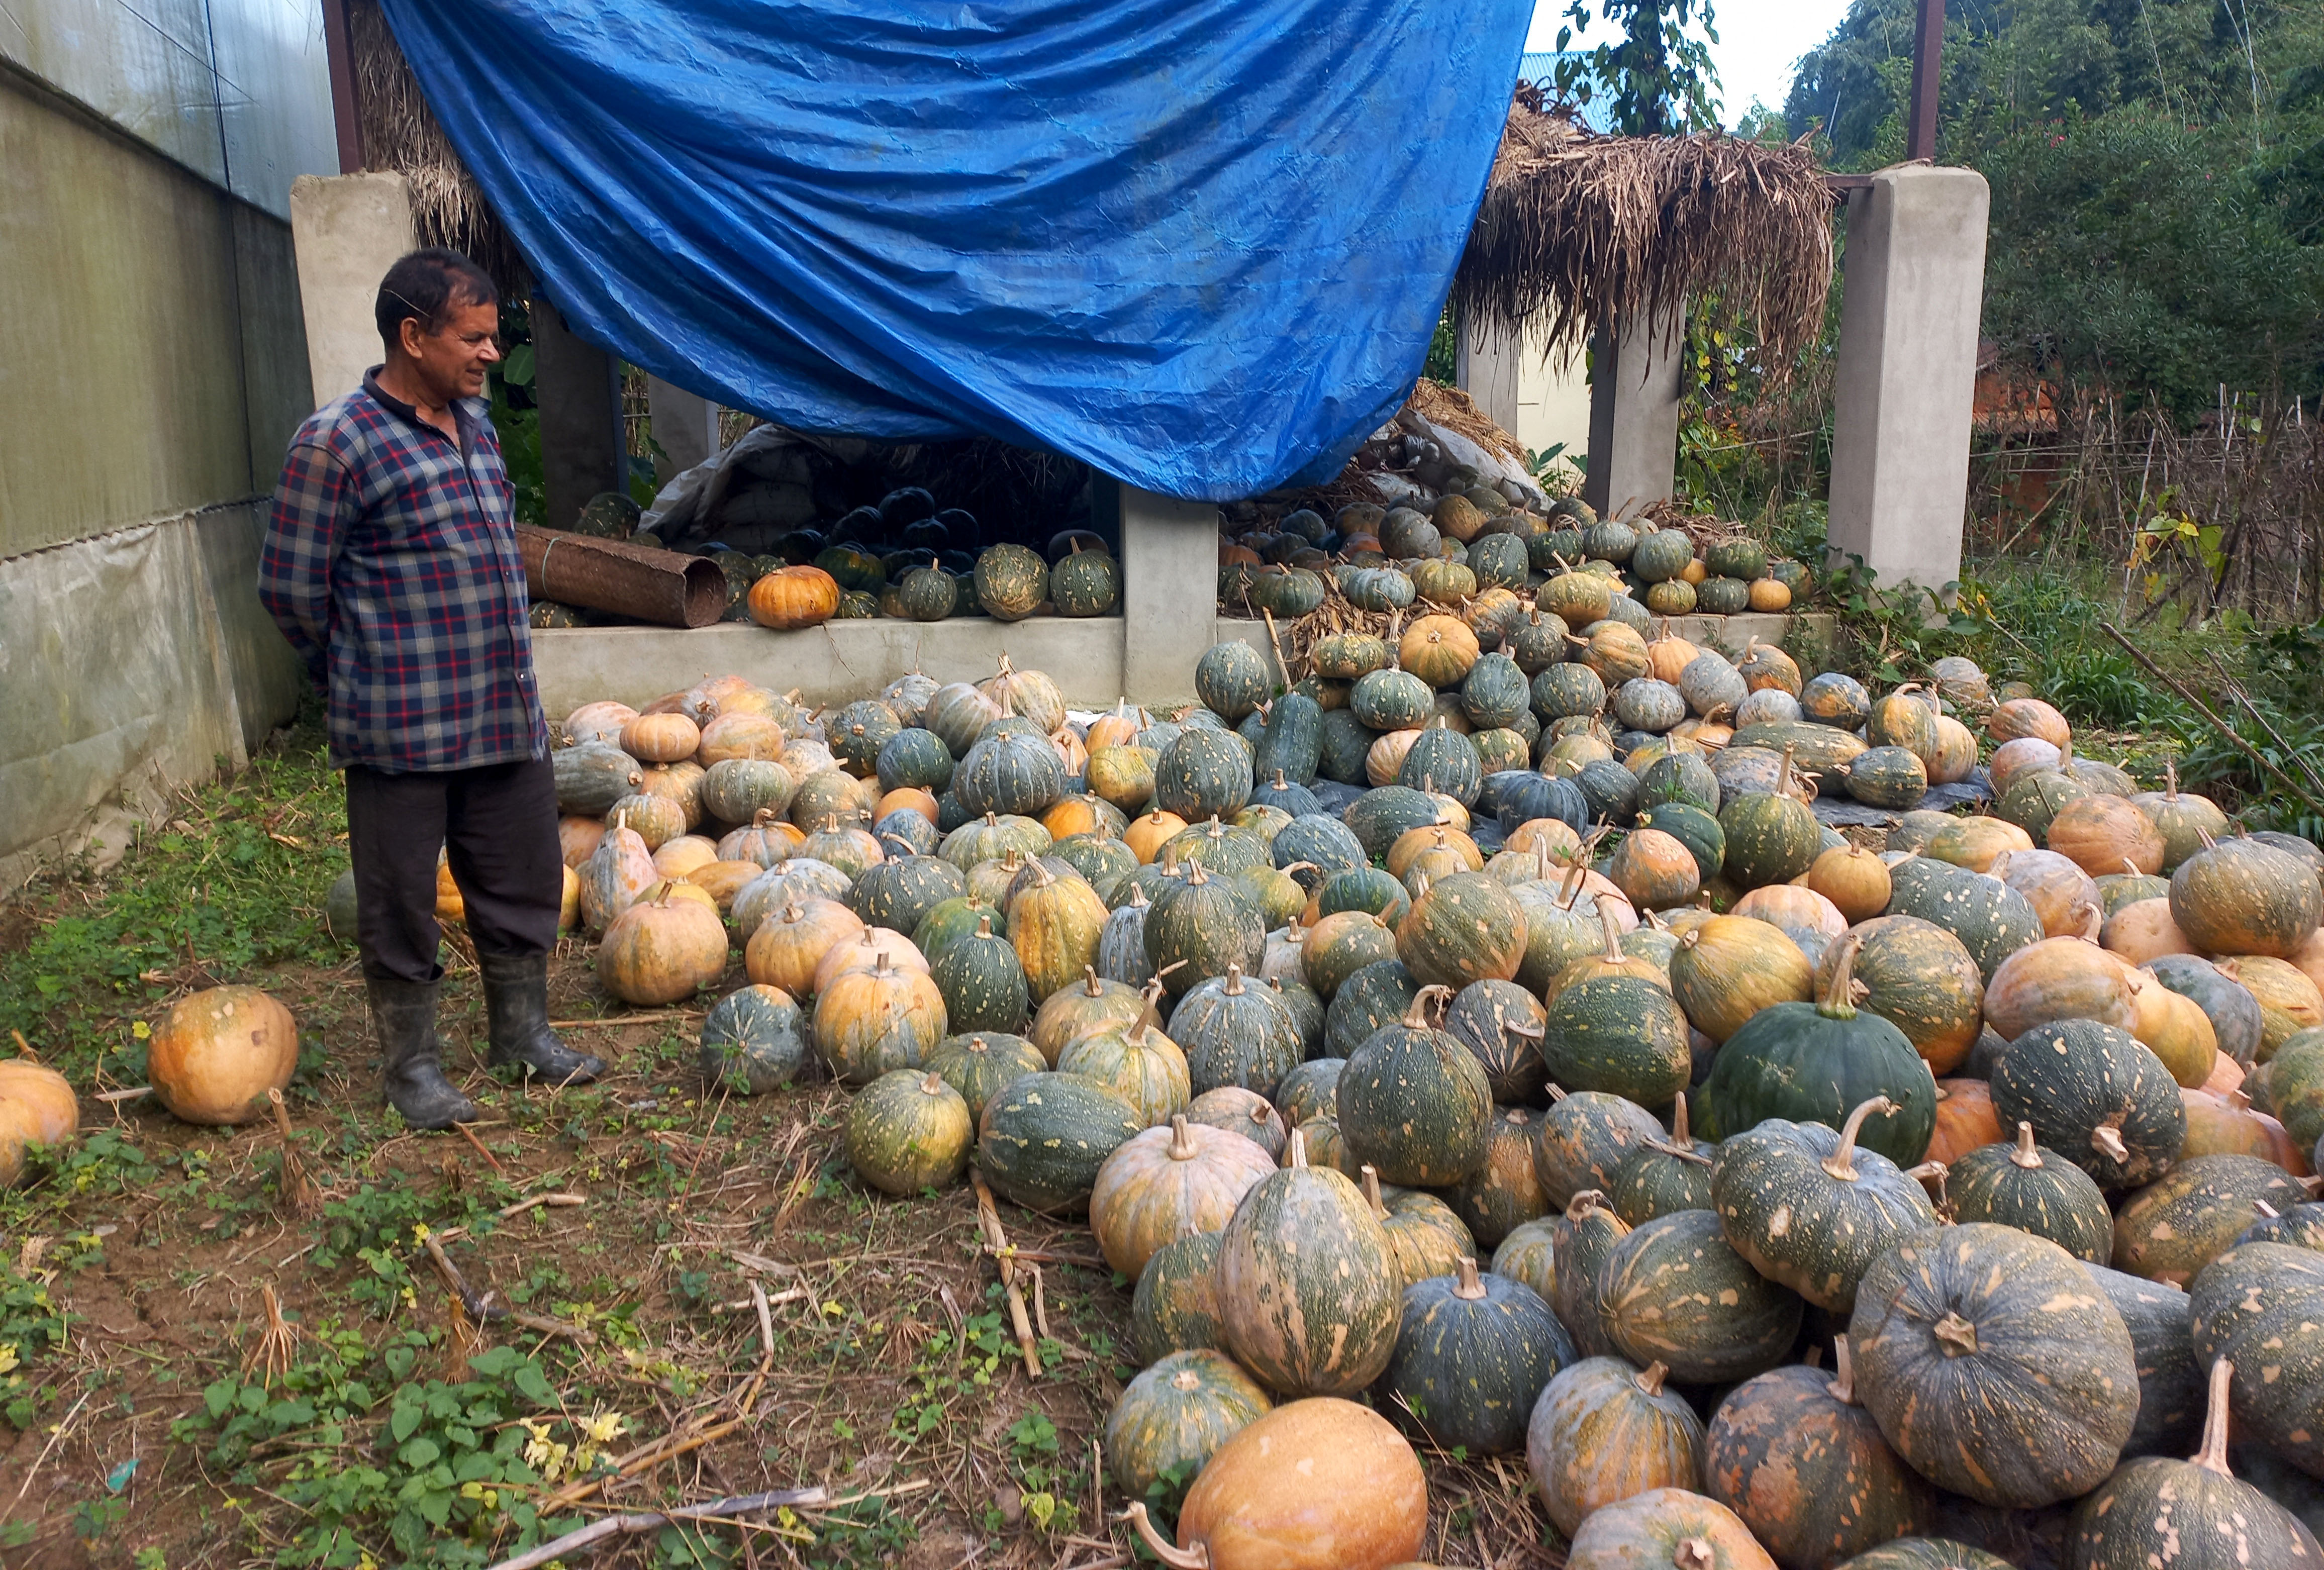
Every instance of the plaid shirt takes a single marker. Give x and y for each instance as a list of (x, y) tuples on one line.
[(390, 565)]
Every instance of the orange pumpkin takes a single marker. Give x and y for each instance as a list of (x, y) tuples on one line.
[(1440, 650), (1076, 815), (1656, 871), (790, 597), (680, 782), (2224, 1123), (2061, 893), (37, 1107), (722, 880), (1974, 842), (870, 1021), (1169, 1181), (2175, 1029), (909, 799), (664, 947), (741, 734), (2028, 716), (568, 902), (660, 738), (1545, 835), (1854, 879), (578, 836), (786, 949), (1669, 654), (1433, 836), (1384, 759), (673, 859), (1116, 729), (1770, 595), (1148, 835), (2060, 978), (867, 949), (2021, 756), (2288, 1001), (215, 1054), (2143, 931), (2099, 833), (601, 721), (1965, 1120)]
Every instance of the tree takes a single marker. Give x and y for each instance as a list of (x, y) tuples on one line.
[(1660, 74)]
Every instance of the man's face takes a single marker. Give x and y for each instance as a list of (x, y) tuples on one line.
[(451, 363)]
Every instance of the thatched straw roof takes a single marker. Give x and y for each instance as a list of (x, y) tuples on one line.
[(1576, 227), (401, 133)]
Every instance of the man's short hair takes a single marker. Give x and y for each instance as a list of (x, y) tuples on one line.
[(427, 286)]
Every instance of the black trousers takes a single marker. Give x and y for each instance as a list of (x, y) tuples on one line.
[(497, 826)]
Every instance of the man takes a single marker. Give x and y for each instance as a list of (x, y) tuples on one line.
[(392, 565)]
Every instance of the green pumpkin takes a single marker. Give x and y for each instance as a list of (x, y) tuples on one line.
[(1605, 1431), (1770, 839), (1464, 928), (1176, 1305), (1925, 1554), (1201, 925), (2302, 1225), (1818, 750), (1994, 1365), (900, 892), (1568, 692), (1893, 778), (1503, 1193), (1665, 1176), (1203, 774), (1817, 1062), (1044, 1137), (2095, 1096), (1443, 762), (1920, 979), (1088, 583), (1498, 562), (953, 918), (1135, 1060), (2171, 1229), (1222, 851), (1662, 556), (907, 1130), (753, 1041), (737, 789), (2020, 1185), (855, 570), (1584, 1139), (1235, 1033), (1413, 1102), (1495, 693), (1809, 1210), (982, 982), (911, 760), (1372, 890), (1376, 996), (1012, 774), (1722, 596), (1391, 700), (1472, 1353), (2160, 1510), (857, 606), (1290, 741), (1619, 1034), (1693, 827), (982, 1064), (1231, 680), (1528, 1254), (1675, 1291), (590, 776), (1499, 1022), (1101, 862), (2170, 1381), (1010, 582), (1992, 919), (1176, 1414), (1736, 558), (1350, 656), (1795, 1455), (1308, 1297), (1582, 1238), (2244, 896), (2261, 1307), (1378, 818), (928, 594)]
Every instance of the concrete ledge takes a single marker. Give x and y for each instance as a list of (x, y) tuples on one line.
[(1730, 635)]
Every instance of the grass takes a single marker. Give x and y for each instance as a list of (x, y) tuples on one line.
[(145, 1424)]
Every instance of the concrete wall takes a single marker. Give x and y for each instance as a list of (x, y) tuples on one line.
[(1529, 389), (152, 366)]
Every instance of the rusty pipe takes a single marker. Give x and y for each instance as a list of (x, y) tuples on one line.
[(663, 587)]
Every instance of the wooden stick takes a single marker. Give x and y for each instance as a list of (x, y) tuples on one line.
[(989, 1218), (2234, 689), (2200, 706), (629, 1526), (645, 1458), (117, 1096), (469, 1134), (1277, 644), (628, 1018), (553, 1201), (1047, 1257)]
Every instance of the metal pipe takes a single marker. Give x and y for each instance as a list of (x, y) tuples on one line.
[(339, 54), (661, 587), (1928, 79)]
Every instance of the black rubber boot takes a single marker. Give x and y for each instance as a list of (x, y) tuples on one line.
[(516, 1005), (403, 1018)]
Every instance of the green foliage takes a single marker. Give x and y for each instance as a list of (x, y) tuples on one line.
[(1659, 74), (1443, 367)]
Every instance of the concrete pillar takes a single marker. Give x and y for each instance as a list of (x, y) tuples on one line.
[(685, 425), (1634, 395), (347, 230), (1489, 368), (1907, 374), (578, 386), (1169, 587), (1529, 387)]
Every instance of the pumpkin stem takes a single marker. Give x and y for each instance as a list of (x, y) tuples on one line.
[(1182, 1146), (1843, 1372), (1233, 988), (1195, 1558), (2267, 1212), (1415, 1018), (1841, 1162), (1294, 1152), (1582, 1204), (933, 1084), (2026, 1155), (1373, 1190), (1650, 1378), (1091, 985), (1471, 1288), (2213, 1456), (2107, 1140), (1678, 1132), (1955, 1334), (984, 924), (1837, 1003), (1194, 875), (1694, 1553), (2093, 920), (880, 967)]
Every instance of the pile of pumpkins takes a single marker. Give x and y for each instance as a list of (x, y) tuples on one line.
[(1782, 1202), (1487, 554)]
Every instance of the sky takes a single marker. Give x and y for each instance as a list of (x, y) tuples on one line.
[(1759, 39)]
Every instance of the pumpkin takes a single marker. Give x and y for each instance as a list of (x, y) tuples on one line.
[(1235, 1034), (2156, 1510), (1977, 842), (2291, 1084), (1425, 1238), (2095, 1095), (1808, 1209), (1413, 1102), (2183, 819), (1893, 778), (2176, 1030), (1618, 1034), (2061, 978), (2174, 1226), (679, 858), (2289, 1001), (1440, 650), (1965, 1121), (1341, 943), (1654, 870), (1175, 1307), (907, 1131), (1728, 968), (1164, 1181), (1805, 916), (1043, 1138), (792, 598), (1307, 1288), (1053, 926), (1953, 758), (2243, 896), (1581, 1239), (2060, 892), (1856, 881), (869, 1022), (1174, 1416), (865, 951), (765, 841), (2222, 1123), (789, 947), (37, 1107), (215, 1054), (617, 873), (1317, 1485), (1794, 1454), (1770, 839), (2143, 931), (1672, 1525), (1918, 977), (2259, 1307), (1472, 1353), (1528, 1255), (1200, 926), (1665, 1176), (1583, 1141), (1925, 1554), (1465, 928), (1234, 1109), (1994, 1365), (1675, 1290), (900, 892), (1992, 919), (2101, 834), (1010, 581), (1500, 1023), (2019, 1185), (1817, 1062), (662, 948), (1504, 1192), (982, 979), (2028, 716), (1376, 996), (1605, 1431), (982, 1064)]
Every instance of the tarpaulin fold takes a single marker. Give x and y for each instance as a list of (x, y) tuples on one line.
[(1199, 244)]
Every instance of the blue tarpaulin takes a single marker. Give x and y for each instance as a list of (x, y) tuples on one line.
[(1199, 244)]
